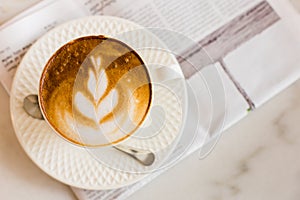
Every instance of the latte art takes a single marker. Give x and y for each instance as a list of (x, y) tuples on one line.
[(95, 91)]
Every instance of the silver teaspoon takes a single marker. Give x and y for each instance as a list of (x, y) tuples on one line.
[(145, 157)]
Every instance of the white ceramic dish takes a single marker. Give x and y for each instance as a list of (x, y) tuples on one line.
[(82, 167)]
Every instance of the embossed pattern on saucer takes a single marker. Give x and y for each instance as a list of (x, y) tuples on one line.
[(65, 162)]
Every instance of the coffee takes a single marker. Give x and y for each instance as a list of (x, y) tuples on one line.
[(95, 91)]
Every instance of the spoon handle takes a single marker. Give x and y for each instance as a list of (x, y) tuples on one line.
[(145, 157)]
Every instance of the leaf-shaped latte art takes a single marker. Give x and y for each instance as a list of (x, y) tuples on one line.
[(84, 106), (100, 106), (101, 85), (97, 82)]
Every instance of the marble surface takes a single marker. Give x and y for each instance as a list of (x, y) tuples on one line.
[(255, 159)]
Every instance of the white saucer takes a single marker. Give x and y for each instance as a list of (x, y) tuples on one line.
[(77, 166)]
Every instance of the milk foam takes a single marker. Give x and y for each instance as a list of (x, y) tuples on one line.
[(96, 91), (115, 117)]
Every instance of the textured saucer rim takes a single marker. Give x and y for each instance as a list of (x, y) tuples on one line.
[(24, 145)]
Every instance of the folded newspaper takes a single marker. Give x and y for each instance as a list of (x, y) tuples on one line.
[(253, 45)]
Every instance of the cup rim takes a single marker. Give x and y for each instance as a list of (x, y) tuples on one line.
[(55, 129)]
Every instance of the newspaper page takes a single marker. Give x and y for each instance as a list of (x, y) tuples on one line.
[(44, 16), (10, 8), (221, 27)]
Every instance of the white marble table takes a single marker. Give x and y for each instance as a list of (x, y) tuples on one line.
[(255, 159)]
